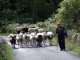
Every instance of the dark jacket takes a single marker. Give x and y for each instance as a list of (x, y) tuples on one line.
[(61, 31)]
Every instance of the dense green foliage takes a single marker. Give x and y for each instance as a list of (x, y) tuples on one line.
[(5, 52), (26, 11), (32, 11), (69, 13), (14, 13)]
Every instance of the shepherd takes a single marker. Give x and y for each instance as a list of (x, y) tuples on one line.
[(61, 33)]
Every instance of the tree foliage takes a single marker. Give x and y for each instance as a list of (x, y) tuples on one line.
[(26, 11), (69, 13)]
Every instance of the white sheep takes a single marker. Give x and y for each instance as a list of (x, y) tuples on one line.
[(32, 30), (29, 39), (50, 37), (41, 30), (26, 38), (19, 38), (33, 35), (44, 33)]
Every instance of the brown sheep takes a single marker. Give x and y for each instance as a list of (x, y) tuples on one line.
[(19, 29)]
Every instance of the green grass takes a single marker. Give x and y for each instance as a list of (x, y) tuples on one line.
[(74, 47), (54, 41), (6, 52), (71, 46), (4, 34)]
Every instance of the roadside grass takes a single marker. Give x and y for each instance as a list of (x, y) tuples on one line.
[(54, 41), (4, 34), (74, 47), (77, 49), (71, 46), (6, 52)]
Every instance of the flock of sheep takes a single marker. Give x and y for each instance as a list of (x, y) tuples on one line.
[(34, 38)]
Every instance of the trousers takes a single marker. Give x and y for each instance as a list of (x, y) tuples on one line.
[(61, 41)]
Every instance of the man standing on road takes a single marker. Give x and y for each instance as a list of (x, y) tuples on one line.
[(61, 34)]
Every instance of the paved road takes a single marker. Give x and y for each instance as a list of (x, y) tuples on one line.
[(43, 53)]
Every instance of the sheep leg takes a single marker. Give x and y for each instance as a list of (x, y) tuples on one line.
[(34, 43), (39, 44), (28, 43), (13, 45), (50, 42), (31, 43), (18, 44), (44, 42)]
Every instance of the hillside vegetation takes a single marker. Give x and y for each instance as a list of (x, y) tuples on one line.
[(43, 14), (5, 51)]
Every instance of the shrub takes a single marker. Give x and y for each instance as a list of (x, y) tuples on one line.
[(5, 51), (42, 25)]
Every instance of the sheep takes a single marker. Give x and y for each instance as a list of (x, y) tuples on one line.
[(32, 30), (19, 29), (30, 39), (41, 30), (33, 35), (39, 38), (44, 33), (50, 37), (26, 39), (19, 38), (12, 39)]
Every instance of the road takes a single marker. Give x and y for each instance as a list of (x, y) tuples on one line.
[(42, 53)]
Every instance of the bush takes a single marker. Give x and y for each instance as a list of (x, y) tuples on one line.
[(69, 13), (75, 47), (78, 38), (74, 37), (41, 25), (5, 52), (3, 29)]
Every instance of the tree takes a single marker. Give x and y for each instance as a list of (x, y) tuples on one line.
[(69, 13), (27, 11)]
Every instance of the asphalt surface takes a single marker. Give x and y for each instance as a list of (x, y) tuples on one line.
[(42, 53)]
